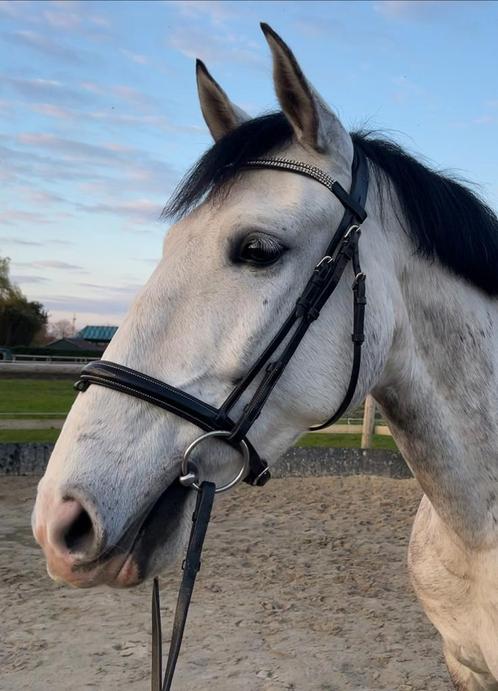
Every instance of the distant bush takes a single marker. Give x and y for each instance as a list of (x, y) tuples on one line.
[(23, 350)]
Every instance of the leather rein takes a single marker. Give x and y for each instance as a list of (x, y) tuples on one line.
[(217, 422)]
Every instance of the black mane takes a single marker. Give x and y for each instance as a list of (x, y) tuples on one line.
[(444, 218)]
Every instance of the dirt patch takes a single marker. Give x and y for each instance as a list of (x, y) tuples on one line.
[(303, 586)]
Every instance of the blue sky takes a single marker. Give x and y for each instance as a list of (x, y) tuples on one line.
[(100, 116)]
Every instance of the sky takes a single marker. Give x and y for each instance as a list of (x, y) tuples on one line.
[(100, 116)]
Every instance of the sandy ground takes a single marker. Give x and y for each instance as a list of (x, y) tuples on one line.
[(303, 586)]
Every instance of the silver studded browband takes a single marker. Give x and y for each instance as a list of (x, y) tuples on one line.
[(294, 167)]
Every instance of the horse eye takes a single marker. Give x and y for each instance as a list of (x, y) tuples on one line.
[(259, 250)]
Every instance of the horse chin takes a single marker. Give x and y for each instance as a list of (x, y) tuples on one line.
[(160, 539)]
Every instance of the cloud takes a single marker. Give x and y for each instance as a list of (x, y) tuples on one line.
[(193, 42), (314, 27), (54, 97), (43, 197), (137, 58), (127, 290), (485, 120), (109, 117), (112, 306), (66, 20), (216, 11), (73, 149), (133, 96), (12, 217), (28, 278), (406, 90), (50, 264), (56, 241), (20, 241), (139, 211), (49, 90), (424, 11), (12, 9), (106, 169), (49, 47), (52, 111), (92, 87)]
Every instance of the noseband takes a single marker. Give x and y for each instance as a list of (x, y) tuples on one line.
[(217, 422)]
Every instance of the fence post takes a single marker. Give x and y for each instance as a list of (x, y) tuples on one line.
[(368, 423)]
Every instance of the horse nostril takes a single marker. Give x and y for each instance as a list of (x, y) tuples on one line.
[(71, 530), (80, 535)]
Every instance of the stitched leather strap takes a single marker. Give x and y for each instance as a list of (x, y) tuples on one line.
[(191, 566), (112, 375)]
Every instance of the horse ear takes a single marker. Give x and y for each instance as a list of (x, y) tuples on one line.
[(315, 125), (220, 114)]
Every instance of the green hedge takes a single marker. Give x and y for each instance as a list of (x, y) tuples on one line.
[(23, 350)]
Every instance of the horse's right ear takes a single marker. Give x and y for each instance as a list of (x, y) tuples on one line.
[(221, 115)]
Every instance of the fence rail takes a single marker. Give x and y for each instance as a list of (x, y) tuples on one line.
[(367, 426), (12, 368), (17, 357)]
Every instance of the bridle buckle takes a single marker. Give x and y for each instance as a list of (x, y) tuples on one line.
[(355, 228), (360, 276), (324, 260)]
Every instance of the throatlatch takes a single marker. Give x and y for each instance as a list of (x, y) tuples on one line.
[(216, 422)]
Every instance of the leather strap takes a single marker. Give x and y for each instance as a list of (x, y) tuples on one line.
[(191, 566), (112, 375), (358, 338)]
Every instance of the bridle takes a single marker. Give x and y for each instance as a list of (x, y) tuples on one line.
[(216, 422)]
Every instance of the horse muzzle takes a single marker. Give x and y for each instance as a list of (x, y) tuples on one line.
[(73, 537)]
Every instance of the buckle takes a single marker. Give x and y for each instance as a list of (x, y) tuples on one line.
[(324, 260), (262, 478), (360, 276), (355, 228)]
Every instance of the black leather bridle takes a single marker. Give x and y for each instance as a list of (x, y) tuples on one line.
[(217, 422)]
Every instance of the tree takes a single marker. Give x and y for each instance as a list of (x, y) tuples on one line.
[(20, 319), (61, 329)]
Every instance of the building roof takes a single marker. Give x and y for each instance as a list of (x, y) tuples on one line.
[(97, 333)]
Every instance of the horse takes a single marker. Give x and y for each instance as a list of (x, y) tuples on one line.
[(109, 509)]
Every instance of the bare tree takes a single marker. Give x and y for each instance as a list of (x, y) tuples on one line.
[(62, 328)]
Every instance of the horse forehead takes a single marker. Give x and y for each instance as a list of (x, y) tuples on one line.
[(276, 200), (267, 199)]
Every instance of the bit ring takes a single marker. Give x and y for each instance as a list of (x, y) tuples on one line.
[(190, 479)]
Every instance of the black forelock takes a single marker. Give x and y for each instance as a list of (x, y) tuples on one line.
[(443, 217), (225, 159)]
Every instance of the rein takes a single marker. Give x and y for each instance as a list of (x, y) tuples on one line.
[(217, 422)]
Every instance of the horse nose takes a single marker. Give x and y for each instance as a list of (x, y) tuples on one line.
[(71, 529), (69, 532)]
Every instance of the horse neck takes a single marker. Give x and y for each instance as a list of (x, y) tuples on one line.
[(439, 392)]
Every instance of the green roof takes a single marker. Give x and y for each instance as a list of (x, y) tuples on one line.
[(97, 333)]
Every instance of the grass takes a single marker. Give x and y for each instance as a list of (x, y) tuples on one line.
[(338, 441), (34, 398), (16, 436), (42, 398)]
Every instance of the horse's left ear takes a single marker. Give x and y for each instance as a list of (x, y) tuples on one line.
[(220, 114), (315, 125)]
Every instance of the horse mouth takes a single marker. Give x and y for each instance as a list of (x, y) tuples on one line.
[(152, 542), (162, 528)]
